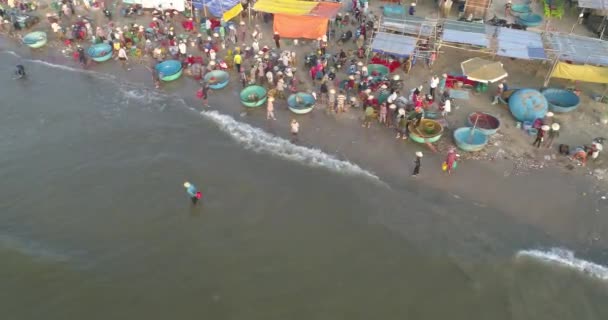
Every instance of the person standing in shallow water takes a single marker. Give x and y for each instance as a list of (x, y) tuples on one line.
[(270, 109), (295, 128), (417, 164), (192, 192), (205, 94), (123, 57)]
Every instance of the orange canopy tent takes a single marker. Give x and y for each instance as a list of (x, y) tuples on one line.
[(299, 19)]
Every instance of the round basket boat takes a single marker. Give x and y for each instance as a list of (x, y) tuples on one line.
[(377, 70), (253, 96), (170, 70), (217, 79), (530, 19), (469, 139), (486, 123), (561, 100), (518, 9), (301, 102), (428, 131), (35, 39), (100, 52), (528, 105)]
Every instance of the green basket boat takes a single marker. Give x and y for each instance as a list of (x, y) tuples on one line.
[(428, 131), (301, 103), (377, 70), (253, 96)]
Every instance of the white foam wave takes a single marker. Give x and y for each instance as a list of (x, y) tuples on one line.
[(260, 141), (30, 248), (62, 67), (566, 258), (12, 53), (141, 95)]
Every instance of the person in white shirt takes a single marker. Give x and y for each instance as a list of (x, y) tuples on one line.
[(182, 48), (123, 57), (447, 108), (295, 128), (433, 85), (392, 97)]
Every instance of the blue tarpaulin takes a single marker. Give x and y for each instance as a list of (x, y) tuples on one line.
[(215, 7), (520, 44), (393, 44)]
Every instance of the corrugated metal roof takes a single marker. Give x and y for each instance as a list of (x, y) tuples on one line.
[(520, 44), (593, 4), (393, 44), (410, 25), (465, 32), (580, 49)]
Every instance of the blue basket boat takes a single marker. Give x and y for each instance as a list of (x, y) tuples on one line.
[(530, 19), (35, 39), (393, 10), (217, 79), (301, 103), (561, 100), (100, 52), (470, 139), (253, 96), (486, 123), (528, 105), (520, 8), (428, 131), (170, 70)]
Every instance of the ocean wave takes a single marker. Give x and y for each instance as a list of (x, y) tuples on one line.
[(30, 248), (252, 138), (260, 141), (63, 67), (13, 53), (566, 258), (141, 95)]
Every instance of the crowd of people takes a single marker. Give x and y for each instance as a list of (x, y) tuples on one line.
[(335, 70)]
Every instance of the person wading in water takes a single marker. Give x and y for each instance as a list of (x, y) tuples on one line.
[(191, 190)]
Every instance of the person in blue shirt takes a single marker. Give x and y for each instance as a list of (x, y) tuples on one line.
[(191, 190)]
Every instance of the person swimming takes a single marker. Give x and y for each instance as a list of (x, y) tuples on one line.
[(20, 71)]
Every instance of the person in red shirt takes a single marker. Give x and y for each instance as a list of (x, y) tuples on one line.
[(540, 136)]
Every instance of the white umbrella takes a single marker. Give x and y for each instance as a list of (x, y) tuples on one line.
[(482, 70)]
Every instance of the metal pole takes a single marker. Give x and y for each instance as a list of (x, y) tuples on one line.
[(548, 77)]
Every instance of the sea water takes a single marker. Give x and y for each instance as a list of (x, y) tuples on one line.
[(95, 224)]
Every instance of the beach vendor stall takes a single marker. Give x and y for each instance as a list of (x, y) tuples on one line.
[(483, 72), (388, 48)]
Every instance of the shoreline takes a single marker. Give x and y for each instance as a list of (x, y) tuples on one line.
[(338, 135)]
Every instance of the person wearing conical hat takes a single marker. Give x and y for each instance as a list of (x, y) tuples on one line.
[(331, 100), (552, 134), (191, 190), (412, 9), (277, 39), (540, 135), (417, 164), (402, 123)]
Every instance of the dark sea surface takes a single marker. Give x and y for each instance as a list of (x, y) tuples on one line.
[(95, 223)]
